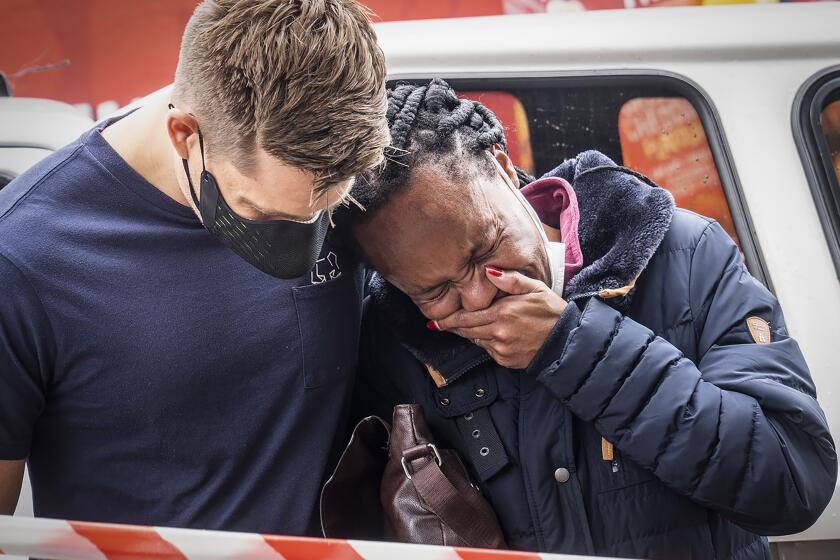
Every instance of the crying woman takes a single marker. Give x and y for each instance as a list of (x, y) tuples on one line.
[(594, 334)]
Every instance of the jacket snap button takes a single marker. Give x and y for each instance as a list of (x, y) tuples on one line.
[(561, 475), (479, 393), (444, 401)]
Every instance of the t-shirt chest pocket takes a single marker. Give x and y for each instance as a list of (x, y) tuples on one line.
[(329, 315)]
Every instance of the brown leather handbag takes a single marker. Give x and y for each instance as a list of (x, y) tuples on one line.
[(405, 489)]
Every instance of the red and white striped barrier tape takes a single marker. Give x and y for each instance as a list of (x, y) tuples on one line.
[(71, 540)]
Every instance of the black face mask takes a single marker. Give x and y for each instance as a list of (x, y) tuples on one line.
[(281, 248)]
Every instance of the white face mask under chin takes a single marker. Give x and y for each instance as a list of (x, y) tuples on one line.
[(554, 250)]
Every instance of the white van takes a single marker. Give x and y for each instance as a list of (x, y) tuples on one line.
[(735, 109), (31, 129)]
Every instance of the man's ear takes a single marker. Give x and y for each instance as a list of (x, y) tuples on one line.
[(181, 126), (506, 163)]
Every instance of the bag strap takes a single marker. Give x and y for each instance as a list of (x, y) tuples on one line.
[(485, 451), (461, 511)]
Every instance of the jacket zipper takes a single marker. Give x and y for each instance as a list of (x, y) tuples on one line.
[(609, 453)]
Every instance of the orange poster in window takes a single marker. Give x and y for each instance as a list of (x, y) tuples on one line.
[(509, 110), (830, 121), (664, 139)]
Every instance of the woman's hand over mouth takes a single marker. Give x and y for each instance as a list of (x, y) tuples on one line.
[(514, 327)]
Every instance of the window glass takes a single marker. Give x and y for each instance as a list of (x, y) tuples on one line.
[(816, 130), (648, 129), (512, 114), (664, 139), (830, 124)]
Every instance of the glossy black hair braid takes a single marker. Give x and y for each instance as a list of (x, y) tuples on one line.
[(429, 125)]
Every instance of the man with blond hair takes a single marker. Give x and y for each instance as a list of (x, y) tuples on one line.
[(178, 330)]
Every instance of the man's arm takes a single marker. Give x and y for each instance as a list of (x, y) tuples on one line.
[(11, 478), (27, 350), (740, 431)]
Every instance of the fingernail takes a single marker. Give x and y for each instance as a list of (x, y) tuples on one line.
[(493, 271), (433, 326)]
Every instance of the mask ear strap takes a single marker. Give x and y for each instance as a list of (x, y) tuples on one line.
[(200, 144), (201, 147), (187, 166), (504, 175)]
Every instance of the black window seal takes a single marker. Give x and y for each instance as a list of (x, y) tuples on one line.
[(813, 149), (32, 146), (681, 85), (5, 179)]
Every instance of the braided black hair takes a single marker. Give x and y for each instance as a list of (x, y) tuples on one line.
[(429, 125)]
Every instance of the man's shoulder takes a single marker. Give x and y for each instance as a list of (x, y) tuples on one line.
[(47, 177), (39, 205)]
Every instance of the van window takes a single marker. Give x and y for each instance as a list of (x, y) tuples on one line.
[(652, 131), (816, 127), (830, 124), (513, 116), (664, 138)]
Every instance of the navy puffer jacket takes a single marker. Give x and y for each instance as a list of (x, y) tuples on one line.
[(653, 423)]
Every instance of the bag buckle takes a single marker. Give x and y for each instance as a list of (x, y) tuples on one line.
[(438, 459)]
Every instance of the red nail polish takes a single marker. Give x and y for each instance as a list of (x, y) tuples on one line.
[(433, 326), (493, 271)]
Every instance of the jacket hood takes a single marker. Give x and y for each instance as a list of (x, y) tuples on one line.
[(623, 218)]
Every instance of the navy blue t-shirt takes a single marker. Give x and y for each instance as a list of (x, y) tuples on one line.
[(149, 374)]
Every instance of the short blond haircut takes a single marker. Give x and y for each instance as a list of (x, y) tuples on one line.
[(302, 79)]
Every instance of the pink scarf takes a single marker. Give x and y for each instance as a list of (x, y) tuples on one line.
[(556, 204)]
